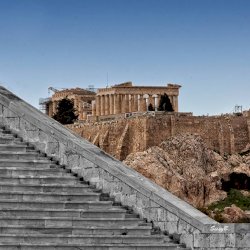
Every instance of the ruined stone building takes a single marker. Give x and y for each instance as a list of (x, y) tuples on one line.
[(125, 98), (118, 99), (82, 99)]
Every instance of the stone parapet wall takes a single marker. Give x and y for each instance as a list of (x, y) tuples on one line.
[(224, 134), (152, 202)]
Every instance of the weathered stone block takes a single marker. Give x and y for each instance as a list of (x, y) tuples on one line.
[(104, 185), (84, 163), (172, 227), (115, 188), (27, 126), (39, 145), (129, 198), (52, 148), (187, 239), (44, 137), (33, 134), (217, 240), (90, 174), (12, 122), (161, 214), (154, 204), (142, 201), (171, 217), (230, 240), (202, 240), (153, 214), (107, 176), (72, 160), (243, 239)]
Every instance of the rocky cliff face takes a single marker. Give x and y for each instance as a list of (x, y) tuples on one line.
[(187, 168)]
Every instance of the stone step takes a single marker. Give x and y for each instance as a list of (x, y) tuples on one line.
[(47, 188), (111, 212), (25, 163), (5, 131), (28, 196), (28, 171), (43, 206), (87, 230), (69, 222), (13, 148), (56, 246), (8, 139), (55, 204), (70, 180), (21, 155), (82, 239)]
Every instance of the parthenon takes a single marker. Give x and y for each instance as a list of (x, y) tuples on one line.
[(118, 99), (125, 98)]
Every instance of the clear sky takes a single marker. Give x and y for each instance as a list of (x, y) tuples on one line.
[(203, 45)]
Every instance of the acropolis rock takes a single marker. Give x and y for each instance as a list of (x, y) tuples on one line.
[(186, 167)]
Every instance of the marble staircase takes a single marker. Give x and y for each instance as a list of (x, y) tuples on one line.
[(44, 206)]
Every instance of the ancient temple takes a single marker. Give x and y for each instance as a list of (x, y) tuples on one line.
[(82, 99), (125, 98), (118, 99)]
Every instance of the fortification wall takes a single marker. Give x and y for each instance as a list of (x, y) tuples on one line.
[(127, 186), (224, 134)]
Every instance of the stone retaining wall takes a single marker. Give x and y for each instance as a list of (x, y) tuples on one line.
[(152, 202), (225, 134)]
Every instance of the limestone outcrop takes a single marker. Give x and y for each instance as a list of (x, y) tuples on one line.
[(186, 167), (233, 214)]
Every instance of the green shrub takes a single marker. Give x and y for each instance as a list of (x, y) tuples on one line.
[(234, 196)]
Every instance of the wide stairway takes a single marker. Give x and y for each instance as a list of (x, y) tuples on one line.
[(45, 206)]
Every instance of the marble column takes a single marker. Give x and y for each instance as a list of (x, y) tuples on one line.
[(123, 103), (130, 103), (102, 105), (50, 109), (142, 104), (156, 102), (175, 103), (94, 108), (98, 105), (139, 98), (111, 104), (117, 102), (132, 100), (106, 98), (135, 103), (54, 107), (126, 103)]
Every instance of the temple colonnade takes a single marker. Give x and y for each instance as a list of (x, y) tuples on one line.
[(112, 104)]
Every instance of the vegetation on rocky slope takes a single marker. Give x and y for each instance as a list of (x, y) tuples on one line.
[(235, 203)]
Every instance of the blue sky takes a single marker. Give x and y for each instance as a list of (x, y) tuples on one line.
[(203, 45)]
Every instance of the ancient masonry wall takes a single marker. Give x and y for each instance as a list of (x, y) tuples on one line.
[(224, 134), (150, 201)]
